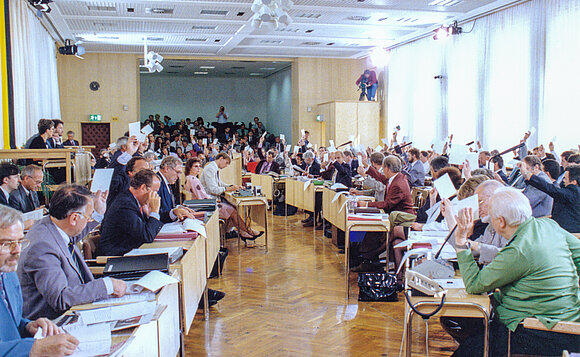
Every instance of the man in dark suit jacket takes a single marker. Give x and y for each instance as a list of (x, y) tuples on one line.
[(343, 174), (9, 181), (351, 162), (169, 171), (566, 206), (267, 164), (122, 177), (52, 272), (16, 332), (25, 198), (312, 167), (71, 139), (133, 218)]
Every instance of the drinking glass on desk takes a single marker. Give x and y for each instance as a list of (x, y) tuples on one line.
[(352, 204)]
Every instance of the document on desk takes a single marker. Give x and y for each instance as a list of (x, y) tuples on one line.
[(117, 312), (33, 215), (174, 253), (188, 224), (152, 281), (127, 299), (306, 184), (444, 186), (338, 186), (94, 340), (102, 180)]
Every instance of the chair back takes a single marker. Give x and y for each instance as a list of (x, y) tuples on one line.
[(90, 244)]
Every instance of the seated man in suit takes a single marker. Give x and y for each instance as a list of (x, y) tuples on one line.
[(52, 271), (566, 207), (125, 149), (342, 172), (122, 177), (541, 202), (25, 198), (169, 171), (416, 169), (266, 164), (369, 183), (133, 218), (536, 274), (9, 181), (312, 171), (16, 332), (70, 139), (397, 198)]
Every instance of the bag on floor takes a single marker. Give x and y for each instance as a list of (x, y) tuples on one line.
[(281, 211), (377, 287), (219, 263)]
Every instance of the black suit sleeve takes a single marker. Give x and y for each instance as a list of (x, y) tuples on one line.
[(551, 189)]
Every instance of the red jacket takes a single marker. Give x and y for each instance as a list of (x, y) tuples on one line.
[(372, 78), (397, 196)]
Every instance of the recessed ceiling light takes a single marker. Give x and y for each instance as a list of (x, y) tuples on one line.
[(193, 39), (310, 43), (358, 18), (444, 2), (154, 38), (200, 72), (180, 66), (214, 12), (101, 8), (309, 16), (203, 27), (330, 44), (241, 13), (238, 67), (309, 31), (268, 68), (255, 74), (158, 10), (207, 67)]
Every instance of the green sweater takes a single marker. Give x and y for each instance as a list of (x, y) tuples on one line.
[(536, 273)]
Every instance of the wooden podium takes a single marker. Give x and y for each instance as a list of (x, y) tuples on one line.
[(346, 118)]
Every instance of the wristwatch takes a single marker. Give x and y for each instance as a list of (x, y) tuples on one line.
[(467, 245)]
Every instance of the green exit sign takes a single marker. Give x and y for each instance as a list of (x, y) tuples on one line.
[(95, 117)]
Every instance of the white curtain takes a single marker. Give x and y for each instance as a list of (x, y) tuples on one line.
[(510, 72), (33, 71)]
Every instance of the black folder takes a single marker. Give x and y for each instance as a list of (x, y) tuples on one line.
[(201, 205), (134, 267)]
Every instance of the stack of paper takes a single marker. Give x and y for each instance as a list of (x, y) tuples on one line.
[(174, 253)]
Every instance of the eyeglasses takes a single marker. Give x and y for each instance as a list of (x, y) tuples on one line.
[(11, 245), (89, 218)]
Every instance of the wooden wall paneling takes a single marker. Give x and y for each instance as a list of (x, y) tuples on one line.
[(368, 114)]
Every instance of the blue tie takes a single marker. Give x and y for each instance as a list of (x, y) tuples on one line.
[(71, 249)]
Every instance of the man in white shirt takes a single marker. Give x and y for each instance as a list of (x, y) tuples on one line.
[(9, 180), (424, 158)]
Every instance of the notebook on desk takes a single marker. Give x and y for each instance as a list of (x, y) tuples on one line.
[(131, 267), (201, 205)]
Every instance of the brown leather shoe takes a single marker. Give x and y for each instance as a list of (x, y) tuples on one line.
[(308, 224), (306, 219), (319, 227)]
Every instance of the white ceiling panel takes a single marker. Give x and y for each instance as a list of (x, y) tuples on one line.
[(320, 28)]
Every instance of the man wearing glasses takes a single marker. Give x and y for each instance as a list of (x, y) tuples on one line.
[(133, 218), (169, 171), (16, 332), (24, 198), (52, 271)]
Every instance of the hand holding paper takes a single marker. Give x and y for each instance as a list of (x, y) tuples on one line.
[(444, 186)]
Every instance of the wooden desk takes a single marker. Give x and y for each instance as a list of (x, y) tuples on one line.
[(331, 211), (232, 174), (360, 226), (299, 197), (258, 212), (158, 338), (212, 242), (458, 303), (267, 184), (191, 270), (67, 157)]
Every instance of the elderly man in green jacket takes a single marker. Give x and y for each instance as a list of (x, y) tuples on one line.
[(536, 274)]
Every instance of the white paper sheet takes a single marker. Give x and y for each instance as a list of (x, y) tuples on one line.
[(385, 141), (282, 137), (309, 145), (336, 196), (147, 129), (94, 340), (215, 141), (438, 147), (351, 138), (338, 186), (331, 149), (153, 281), (378, 148), (33, 215), (112, 145), (444, 186), (306, 184), (204, 141), (331, 143), (473, 159), (128, 298), (469, 202), (453, 283), (296, 149), (141, 137), (195, 225), (303, 132), (532, 130), (192, 132), (118, 312), (134, 128), (102, 180), (288, 147), (325, 159), (457, 155)]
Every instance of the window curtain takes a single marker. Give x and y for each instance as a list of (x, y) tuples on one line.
[(509, 72), (34, 72)]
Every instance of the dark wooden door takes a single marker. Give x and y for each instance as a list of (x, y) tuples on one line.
[(97, 134)]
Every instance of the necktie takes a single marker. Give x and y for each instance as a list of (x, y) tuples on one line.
[(32, 205), (71, 249), (3, 294)]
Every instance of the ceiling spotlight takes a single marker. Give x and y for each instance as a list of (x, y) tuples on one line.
[(152, 59), (72, 49), (271, 13), (444, 32)]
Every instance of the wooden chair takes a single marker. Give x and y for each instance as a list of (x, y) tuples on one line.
[(420, 196), (567, 327), (89, 246), (577, 235)]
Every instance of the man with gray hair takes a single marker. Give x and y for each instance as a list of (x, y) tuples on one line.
[(536, 274), (25, 198), (169, 172), (16, 332)]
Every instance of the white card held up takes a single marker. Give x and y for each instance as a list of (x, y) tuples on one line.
[(309, 145), (473, 159), (296, 149), (204, 141), (288, 147), (282, 137), (469, 202), (215, 141), (331, 143), (325, 157), (135, 128), (102, 180), (331, 149), (385, 141), (438, 147), (147, 130), (192, 132), (458, 154), (303, 132), (264, 134), (378, 148), (141, 137), (351, 138), (444, 186), (112, 145)]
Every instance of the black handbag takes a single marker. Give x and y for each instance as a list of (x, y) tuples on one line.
[(377, 287)]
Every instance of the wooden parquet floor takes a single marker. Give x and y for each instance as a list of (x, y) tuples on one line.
[(291, 302)]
